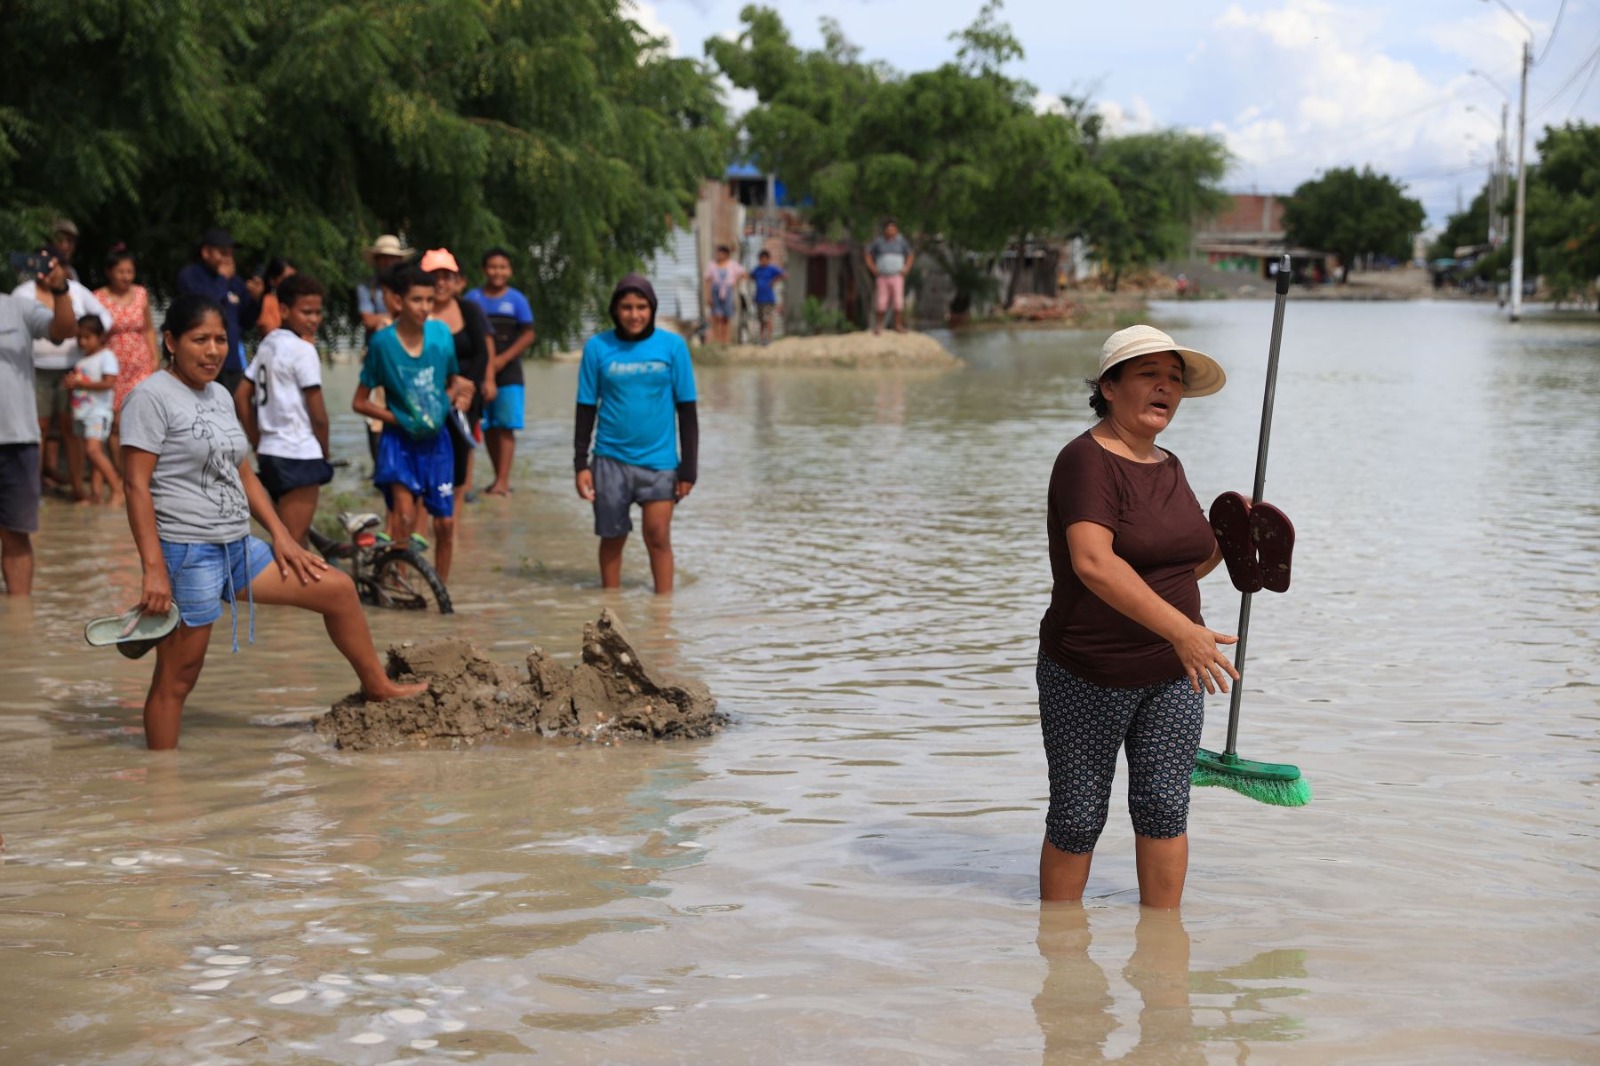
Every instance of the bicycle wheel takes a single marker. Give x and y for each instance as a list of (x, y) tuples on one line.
[(403, 580)]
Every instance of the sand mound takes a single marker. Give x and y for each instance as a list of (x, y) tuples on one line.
[(612, 694), (843, 349)]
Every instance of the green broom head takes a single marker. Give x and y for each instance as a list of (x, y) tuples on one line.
[(1266, 782)]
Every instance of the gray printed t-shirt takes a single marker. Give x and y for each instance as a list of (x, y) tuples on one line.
[(199, 443), (21, 321), (889, 254)]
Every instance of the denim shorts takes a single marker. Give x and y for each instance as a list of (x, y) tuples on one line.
[(204, 575), (618, 486), (721, 304)]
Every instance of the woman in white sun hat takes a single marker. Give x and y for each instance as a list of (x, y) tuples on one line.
[(1124, 655)]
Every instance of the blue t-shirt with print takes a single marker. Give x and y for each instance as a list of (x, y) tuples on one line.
[(508, 314), (415, 387), (765, 276), (637, 385)]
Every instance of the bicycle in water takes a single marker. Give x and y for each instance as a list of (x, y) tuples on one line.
[(387, 574)]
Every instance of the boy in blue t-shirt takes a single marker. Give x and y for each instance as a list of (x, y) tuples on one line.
[(637, 383), (512, 321), (765, 275), (414, 362)]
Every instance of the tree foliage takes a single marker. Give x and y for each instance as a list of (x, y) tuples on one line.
[(1353, 213), (958, 154), (1563, 210), (1464, 228), (1164, 180), (308, 127)]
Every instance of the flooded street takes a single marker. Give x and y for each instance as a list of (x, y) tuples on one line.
[(848, 874)]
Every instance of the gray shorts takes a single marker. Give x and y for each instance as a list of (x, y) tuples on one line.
[(618, 486), (52, 400)]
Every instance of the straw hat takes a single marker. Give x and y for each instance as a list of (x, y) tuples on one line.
[(1202, 375), (439, 259), (388, 244)]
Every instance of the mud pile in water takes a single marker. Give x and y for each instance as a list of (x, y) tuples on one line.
[(612, 694)]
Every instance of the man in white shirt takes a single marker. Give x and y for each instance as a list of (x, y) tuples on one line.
[(21, 323), (51, 362)]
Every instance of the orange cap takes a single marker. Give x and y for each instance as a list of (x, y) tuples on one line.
[(439, 259)]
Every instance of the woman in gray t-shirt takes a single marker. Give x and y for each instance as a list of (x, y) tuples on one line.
[(191, 494)]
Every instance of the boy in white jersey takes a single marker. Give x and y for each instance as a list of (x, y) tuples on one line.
[(281, 408)]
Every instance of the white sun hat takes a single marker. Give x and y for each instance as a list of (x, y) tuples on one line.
[(1202, 374)]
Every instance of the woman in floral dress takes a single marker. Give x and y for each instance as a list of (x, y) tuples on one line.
[(133, 329)]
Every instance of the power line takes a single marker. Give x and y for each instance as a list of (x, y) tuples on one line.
[(1576, 100), (1562, 10), (1594, 54)]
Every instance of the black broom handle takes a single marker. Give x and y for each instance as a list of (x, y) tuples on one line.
[(1237, 696)]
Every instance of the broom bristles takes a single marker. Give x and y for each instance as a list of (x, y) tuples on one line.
[(1278, 793)]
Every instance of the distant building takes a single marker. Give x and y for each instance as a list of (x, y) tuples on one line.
[(1248, 236)]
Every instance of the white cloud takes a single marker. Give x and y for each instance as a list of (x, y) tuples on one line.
[(1313, 87), (1135, 117), (649, 20)]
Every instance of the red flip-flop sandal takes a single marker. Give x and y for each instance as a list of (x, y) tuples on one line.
[(1230, 520), (1273, 535)]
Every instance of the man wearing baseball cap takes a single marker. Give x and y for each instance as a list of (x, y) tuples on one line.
[(215, 275)]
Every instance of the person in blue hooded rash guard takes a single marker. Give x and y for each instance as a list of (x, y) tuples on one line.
[(635, 386)]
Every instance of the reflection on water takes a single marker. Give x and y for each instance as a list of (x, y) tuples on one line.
[(847, 875), (1181, 1009)]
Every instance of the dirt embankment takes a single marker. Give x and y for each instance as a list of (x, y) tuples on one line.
[(611, 695), (861, 350)]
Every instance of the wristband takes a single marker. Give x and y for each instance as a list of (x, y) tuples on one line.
[(61, 291)]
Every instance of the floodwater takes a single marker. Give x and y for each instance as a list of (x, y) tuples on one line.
[(847, 875)]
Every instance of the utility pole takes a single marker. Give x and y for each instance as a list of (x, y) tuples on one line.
[(1501, 176), (1522, 188)]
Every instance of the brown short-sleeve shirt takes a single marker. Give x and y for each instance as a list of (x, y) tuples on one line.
[(1158, 528)]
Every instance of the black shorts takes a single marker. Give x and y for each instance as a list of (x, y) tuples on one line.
[(19, 488), (279, 475)]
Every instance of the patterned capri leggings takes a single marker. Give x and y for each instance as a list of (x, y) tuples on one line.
[(1085, 724)]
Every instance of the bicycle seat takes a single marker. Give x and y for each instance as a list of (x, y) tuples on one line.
[(358, 523)]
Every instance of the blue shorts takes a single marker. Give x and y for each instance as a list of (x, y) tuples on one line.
[(280, 475), (721, 304), (204, 575), (506, 410), (424, 468)]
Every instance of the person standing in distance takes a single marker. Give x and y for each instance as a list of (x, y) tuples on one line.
[(23, 321), (215, 275), (635, 383), (511, 318), (766, 275), (889, 260)]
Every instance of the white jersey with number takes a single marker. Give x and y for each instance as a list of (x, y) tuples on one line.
[(283, 368)]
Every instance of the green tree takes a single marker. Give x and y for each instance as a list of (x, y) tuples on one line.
[(1164, 181), (957, 154), (1563, 219), (557, 127), (1353, 213), (1464, 228)]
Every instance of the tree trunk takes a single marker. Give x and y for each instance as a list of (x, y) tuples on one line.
[(1016, 271)]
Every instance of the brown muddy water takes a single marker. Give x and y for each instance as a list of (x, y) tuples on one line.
[(847, 875)]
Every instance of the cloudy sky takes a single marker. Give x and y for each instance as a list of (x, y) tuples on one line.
[(1293, 85)]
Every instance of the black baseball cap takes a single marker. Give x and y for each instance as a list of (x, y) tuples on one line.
[(216, 237)]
